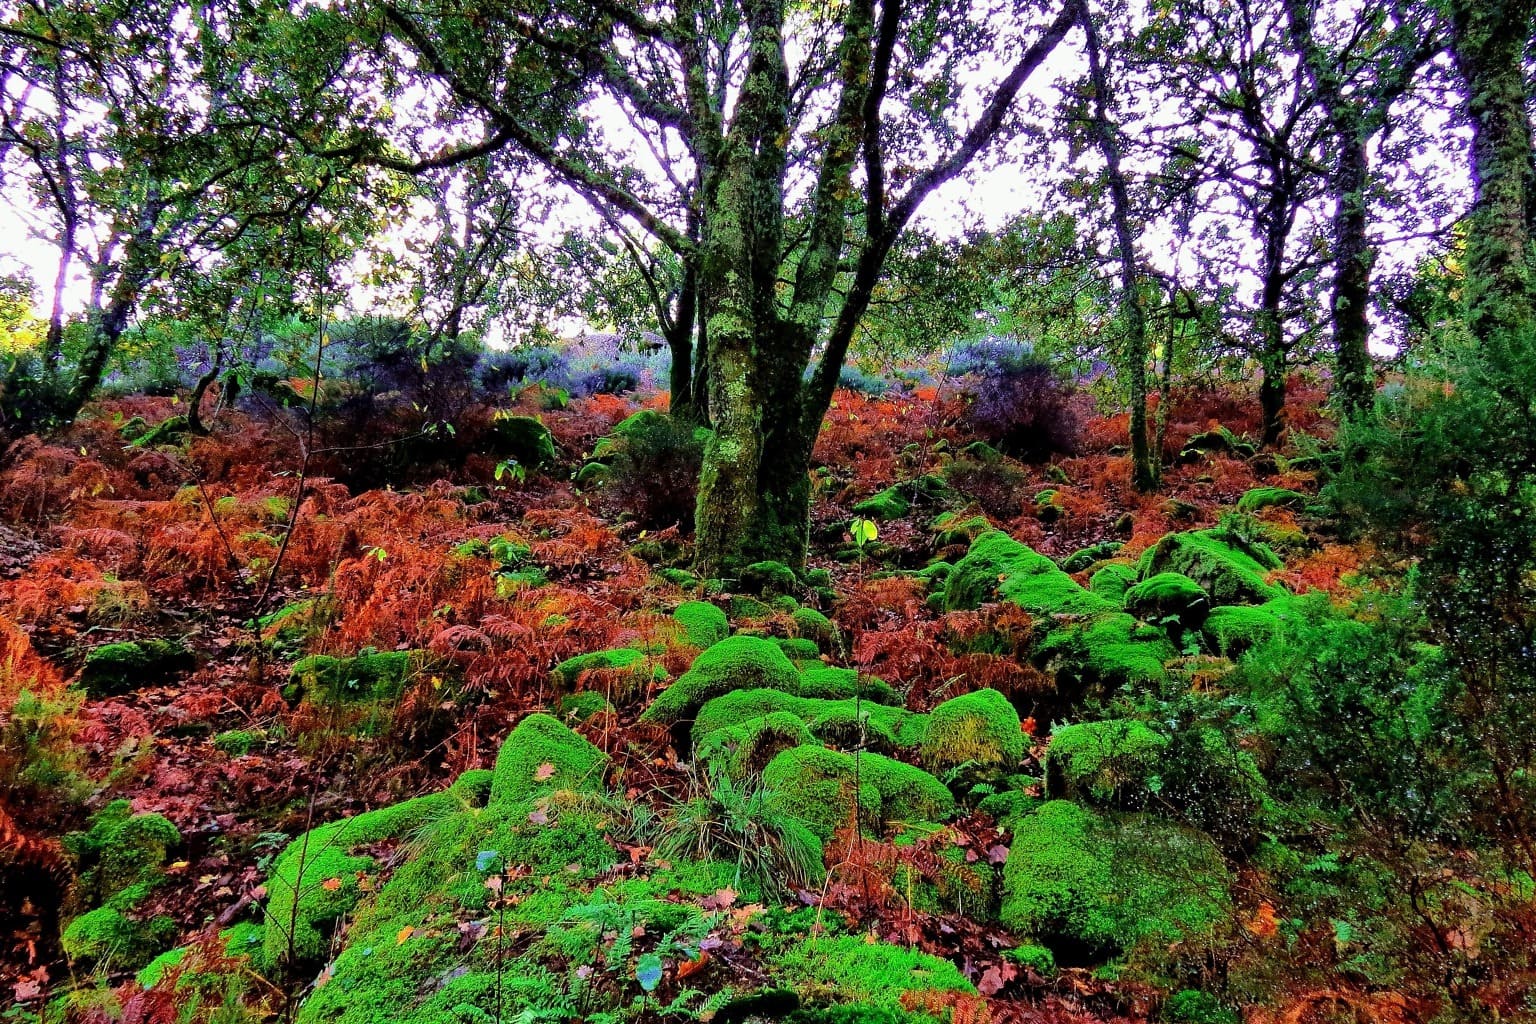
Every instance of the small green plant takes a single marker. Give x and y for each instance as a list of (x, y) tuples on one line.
[(772, 850)]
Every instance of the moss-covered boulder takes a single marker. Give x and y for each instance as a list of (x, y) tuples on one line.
[(1084, 559), (369, 676), (898, 500), (1109, 650), (1113, 580), (1218, 440), (1108, 763), (842, 722), (817, 786), (1261, 498), (1092, 886), (522, 438), (736, 663), (542, 755), (118, 668), (999, 567), (1231, 630), (117, 936), (954, 528), (769, 579), (812, 625), (873, 976), (120, 849), (703, 624), (980, 728), (170, 430), (1229, 568), (1169, 597), (636, 668), (743, 748)]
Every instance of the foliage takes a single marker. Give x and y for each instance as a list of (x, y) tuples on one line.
[(772, 851), (1021, 405)]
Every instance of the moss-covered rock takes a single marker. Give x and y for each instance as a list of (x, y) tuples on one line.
[(1169, 597), (168, 431), (578, 707), (981, 727), (1228, 567), (1261, 498), (742, 749), (522, 438), (999, 567), (811, 625), (239, 742), (1108, 763), (831, 682), (637, 668), (769, 579), (953, 528), (1219, 440), (1231, 630), (1113, 580), (113, 669), (844, 722), (1086, 558), (1078, 882), (369, 676), (736, 663), (703, 624), (817, 786), (874, 976), (542, 755), (898, 500), (1107, 650), (119, 850), (115, 937)]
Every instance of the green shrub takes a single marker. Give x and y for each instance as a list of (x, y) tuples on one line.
[(981, 727)]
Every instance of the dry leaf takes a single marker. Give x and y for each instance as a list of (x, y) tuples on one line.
[(404, 933), (331, 884)]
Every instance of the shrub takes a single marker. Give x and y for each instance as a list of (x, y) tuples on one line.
[(653, 464), (1023, 407)]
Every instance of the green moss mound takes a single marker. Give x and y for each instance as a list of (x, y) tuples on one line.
[(1104, 763), (833, 683), (817, 786), (1086, 558), (769, 579), (115, 936), (872, 975), (1092, 886), (811, 625), (370, 676), (522, 438), (113, 669), (951, 529), (1113, 580), (844, 722), (742, 749), (119, 850), (1108, 650), (981, 727), (1229, 568), (897, 501), (999, 567), (1169, 597), (703, 624), (542, 755), (736, 663), (1261, 498), (635, 665), (1231, 630)]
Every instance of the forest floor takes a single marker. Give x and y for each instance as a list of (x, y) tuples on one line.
[(102, 543)]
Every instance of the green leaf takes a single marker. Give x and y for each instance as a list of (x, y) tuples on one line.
[(648, 971)]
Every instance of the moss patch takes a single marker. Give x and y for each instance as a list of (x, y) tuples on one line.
[(816, 785), (1229, 568), (1105, 763), (980, 727), (542, 755), (118, 668)]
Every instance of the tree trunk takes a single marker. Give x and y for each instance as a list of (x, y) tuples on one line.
[(1272, 367), (1352, 258), (1488, 43), (1143, 472)]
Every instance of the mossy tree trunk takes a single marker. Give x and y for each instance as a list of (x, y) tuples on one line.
[(1489, 39)]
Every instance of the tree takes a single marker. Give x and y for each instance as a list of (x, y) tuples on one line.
[(1364, 65), (789, 148), (151, 137)]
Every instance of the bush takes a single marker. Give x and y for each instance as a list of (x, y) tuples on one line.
[(1023, 407), (653, 471)]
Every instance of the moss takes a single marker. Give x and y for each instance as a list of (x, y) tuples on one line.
[(1261, 498), (980, 727), (889, 504), (1192, 1006), (1086, 558), (844, 722), (1229, 568), (542, 755), (151, 974), (950, 529), (811, 625), (1107, 650), (830, 682), (816, 785), (802, 652), (239, 742), (746, 608), (769, 579), (575, 708), (1231, 630), (997, 566), (736, 663), (1113, 580), (1218, 440), (111, 938), (118, 668), (168, 431), (370, 676), (703, 624), (1092, 886), (1036, 957), (744, 748), (1108, 763), (680, 578), (120, 850), (634, 664), (522, 438), (870, 974), (1169, 596)]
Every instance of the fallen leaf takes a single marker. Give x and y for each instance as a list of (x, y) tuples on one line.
[(331, 884), (404, 933), (544, 772), (687, 967), (720, 900), (997, 854), (1264, 923)]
